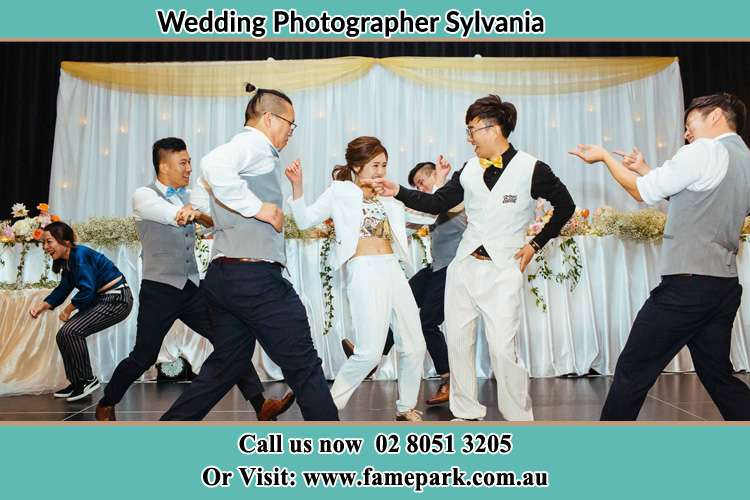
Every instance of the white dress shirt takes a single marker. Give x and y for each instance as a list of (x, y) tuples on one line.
[(698, 166), (248, 153), (147, 205)]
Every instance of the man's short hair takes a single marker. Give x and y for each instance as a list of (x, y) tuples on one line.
[(492, 110), (168, 144), (419, 166), (732, 106), (264, 100)]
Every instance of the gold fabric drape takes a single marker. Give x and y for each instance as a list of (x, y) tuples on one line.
[(476, 74)]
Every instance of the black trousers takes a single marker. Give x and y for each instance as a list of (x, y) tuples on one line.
[(251, 301), (160, 306), (697, 311), (428, 287)]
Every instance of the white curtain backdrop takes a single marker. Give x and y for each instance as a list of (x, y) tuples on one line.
[(103, 136)]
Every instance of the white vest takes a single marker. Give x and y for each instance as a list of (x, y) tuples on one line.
[(497, 218)]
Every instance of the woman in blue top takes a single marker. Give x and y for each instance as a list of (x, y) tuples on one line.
[(103, 300)]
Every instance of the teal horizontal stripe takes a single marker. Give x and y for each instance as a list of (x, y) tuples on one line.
[(583, 462), (577, 19)]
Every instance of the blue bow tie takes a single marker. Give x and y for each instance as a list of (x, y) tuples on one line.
[(179, 192)]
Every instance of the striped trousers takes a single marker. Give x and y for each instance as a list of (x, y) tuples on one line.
[(108, 310)]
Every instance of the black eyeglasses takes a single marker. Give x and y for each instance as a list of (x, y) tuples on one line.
[(292, 125), (470, 132)]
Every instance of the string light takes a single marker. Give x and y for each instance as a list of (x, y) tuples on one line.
[(637, 118), (105, 151), (553, 124), (64, 185), (429, 140), (84, 121), (659, 144), (590, 108), (164, 115), (607, 138), (123, 129)]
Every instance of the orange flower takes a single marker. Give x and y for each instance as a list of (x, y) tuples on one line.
[(38, 234), (328, 222), (423, 231), (43, 207), (585, 213), (55, 218)]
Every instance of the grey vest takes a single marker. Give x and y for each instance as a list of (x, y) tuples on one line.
[(168, 252), (245, 237), (445, 235), (703, 229)]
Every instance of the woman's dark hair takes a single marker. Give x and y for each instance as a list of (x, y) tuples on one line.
[(358, 153), (63, 234), (264, 100), (494, 111)]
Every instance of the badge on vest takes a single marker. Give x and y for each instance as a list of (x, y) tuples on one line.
[(510, 198)]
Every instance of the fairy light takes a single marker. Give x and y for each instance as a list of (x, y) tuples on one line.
[(83, 121), (123, 129)]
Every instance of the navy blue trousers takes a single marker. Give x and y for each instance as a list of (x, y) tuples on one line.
[(249, 302)]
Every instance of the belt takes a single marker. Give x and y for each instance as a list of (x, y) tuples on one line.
[(240, 260), (480, 255), (116, 289)]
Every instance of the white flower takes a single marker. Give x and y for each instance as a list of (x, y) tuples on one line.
[(24, 228), (19, 210)]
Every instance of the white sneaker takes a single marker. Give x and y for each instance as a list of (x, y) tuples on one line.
[(409, 416), (467, 419)]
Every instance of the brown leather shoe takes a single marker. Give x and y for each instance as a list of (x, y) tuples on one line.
[(272, 408), (441, 396), (348, 347), (105, 413)]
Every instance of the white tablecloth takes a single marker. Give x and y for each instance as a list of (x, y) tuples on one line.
[(582, 330)]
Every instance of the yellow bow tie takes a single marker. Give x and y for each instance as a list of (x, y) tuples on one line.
[(495, 162)]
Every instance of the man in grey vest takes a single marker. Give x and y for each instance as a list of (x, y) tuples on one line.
[(707, 184), (165, 212), (428, 285), (247, 296)]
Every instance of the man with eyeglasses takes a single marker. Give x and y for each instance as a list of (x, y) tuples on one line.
[(247, 296), (485, 279)]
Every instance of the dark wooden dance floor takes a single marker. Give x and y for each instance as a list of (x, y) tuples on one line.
[(674, 397)]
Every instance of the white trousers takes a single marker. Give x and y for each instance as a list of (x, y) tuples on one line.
[(379, 296), (477, 288)]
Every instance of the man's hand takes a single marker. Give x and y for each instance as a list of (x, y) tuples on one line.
[(293, 172), (634, 161), (524, 256), (186, 215), (590, 153), (442, 169), (272, 214), (382, 186)]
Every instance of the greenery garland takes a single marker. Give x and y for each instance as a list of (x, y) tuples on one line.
[(326, 278), (571, 260)]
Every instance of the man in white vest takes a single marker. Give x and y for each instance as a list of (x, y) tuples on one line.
[(485, 279), (165, 212), (707, 183)]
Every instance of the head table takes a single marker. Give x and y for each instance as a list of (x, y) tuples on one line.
[(582, 330)]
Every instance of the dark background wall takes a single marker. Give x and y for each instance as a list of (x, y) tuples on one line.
[(31, 71)]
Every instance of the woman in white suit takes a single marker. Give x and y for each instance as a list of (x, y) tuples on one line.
[(370, 240)]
